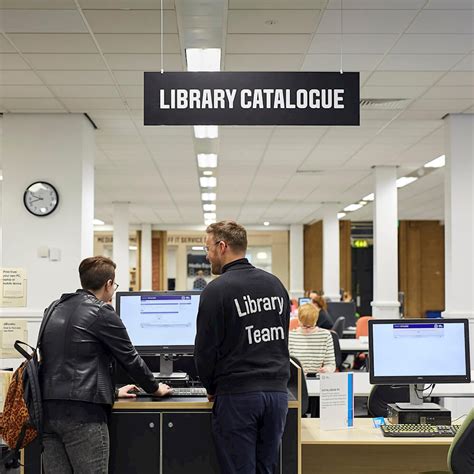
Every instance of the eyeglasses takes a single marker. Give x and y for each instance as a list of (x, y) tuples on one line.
[(206, 247), (116, 285)]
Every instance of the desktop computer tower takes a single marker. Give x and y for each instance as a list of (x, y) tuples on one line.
[(396, 415)]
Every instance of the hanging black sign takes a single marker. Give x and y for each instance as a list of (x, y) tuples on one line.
[(251, 98)]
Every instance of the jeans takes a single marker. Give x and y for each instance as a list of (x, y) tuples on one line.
[(247, 429), (75, 447)]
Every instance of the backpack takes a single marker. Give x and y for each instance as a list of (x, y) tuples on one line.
[(22, 411)]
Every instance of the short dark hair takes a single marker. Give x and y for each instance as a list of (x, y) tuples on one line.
[(231, 233), (94, 272)]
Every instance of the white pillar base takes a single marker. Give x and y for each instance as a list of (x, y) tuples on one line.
[(385, 309)]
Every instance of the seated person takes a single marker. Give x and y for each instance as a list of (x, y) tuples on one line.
[(347, 297), (311, 345), (324, 320)]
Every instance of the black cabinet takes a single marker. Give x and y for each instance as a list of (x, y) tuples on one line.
[(135, 443)]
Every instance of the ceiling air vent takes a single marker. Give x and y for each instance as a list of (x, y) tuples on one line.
[(383, 104)]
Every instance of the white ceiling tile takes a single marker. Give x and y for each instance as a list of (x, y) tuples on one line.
[(268, 43), (76, 78), (77, 62), (351, 44), (285, 21), (467, 64), (132, 91), (131, 21), (276, 4), (461, 78), (53, 43), (376, 4), (129, 77), (450, 4), (25, 91), (443, 21), (85, 91), (138, 43), (332, 62), (403, 78), (31, 104), (125, 4), (144, 62), (366, 21), (419, 62), (448, 105), (453, 92), (12, 61), (394, 92), (411, 114), (84, 105), (41, 21), (263, 62), (434, 44), (38, 4), (19, 78), (5, 46)]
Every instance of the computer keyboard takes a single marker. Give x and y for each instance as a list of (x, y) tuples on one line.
[(179, 392), (423, 431)]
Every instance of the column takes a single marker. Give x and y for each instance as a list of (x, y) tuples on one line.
[(58, 149), (459, 220), (385, 304), (296, 261), (331, 264), (145, 263), (121, 242)]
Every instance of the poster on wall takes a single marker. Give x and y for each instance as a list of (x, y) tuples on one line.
[(251, 98), (12, 330), (13, 287)]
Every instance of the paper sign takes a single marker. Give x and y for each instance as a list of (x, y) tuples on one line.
[(12, 330), (12, 287), (337, 401)]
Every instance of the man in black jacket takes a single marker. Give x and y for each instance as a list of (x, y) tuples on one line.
[(81, 339), (241, 354)]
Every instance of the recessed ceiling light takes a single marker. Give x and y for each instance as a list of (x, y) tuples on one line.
[(266, 223), (206, 131), (437, 162), (210, 216), (208, 182), (405, 180), (340, 215), (352, 207), (369, 197), (209, 221), (98, 222), (206, 59), (207, 160), (209, 207), (207, 173), (208, 196)]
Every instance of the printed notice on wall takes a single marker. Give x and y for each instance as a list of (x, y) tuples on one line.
[(337, 401), (12, 330), (13, 287)]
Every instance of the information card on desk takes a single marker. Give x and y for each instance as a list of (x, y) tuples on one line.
[(337, 401)]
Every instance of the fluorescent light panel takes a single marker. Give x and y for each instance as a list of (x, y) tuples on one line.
[(209, 207), (98, 222), (207, 59), (208, 196), (370, 197), (437, 162), (209, 221), (210, 216), (207, 173), (266, 223), (352, 207), (206, 131), (340, 215), (207, 160), (405, 180), (208, 182)]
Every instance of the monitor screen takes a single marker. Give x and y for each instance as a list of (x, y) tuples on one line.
[(303, 301), (419, 351), (342, 308), (160, 322)]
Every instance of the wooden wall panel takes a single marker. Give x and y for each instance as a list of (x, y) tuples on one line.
[(345, 255), (421, 266), (313, 256), (158, 260)]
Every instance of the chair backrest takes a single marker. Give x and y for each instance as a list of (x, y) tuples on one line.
[(339, 325), (461, 452), (337, 350), (304, 388), (381, 395), (362, 326), (294, 323)]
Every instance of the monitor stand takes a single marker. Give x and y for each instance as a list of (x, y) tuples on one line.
[(166, 369), (416, 400)]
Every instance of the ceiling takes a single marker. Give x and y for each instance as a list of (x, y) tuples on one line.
[(73, 56)]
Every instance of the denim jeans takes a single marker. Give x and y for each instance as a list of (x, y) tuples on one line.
[(75, 447)]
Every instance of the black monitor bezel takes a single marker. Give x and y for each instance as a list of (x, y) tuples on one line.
[(304, 298), (378, 380), (158, 350)]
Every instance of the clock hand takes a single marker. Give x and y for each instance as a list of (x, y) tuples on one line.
[(34, 200)]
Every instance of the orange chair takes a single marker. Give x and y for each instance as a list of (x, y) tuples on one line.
[(294, 323), (362, 326)]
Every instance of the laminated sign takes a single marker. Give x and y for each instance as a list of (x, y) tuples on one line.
[(12, 287), (251, 98)]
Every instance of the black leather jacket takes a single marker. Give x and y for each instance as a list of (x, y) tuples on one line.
[(81, 339)]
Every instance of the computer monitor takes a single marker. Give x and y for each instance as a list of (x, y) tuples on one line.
[(346, 309), (304, 300), (160, 323), (419, 351)]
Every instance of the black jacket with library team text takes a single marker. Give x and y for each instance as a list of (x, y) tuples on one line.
[(242, 332)]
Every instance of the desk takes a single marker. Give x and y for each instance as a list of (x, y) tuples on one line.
[(364, 450), (353, 346), (349, 333), (362, 387)]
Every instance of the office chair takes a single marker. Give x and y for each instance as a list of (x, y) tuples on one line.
[(337, 350), (362, 326), (381, 395), (339, 325), (304, 388), (461, 452)]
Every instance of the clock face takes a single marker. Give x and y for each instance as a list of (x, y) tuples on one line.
[(41, 198)]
